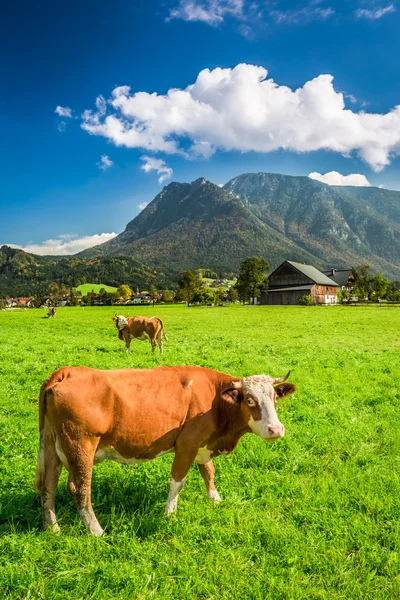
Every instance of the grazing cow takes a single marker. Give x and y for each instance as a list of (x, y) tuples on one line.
[(51, 313), (132, 416), (141, 328)]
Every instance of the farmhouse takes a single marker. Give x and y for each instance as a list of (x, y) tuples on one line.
[(292, 280), (343, 277)]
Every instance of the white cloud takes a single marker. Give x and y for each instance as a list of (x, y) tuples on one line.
[(241, 109), (158, 165), (211, 12), (64, 111), (143, 205), (66, 244), (375, 13), (61, 126), (105, 163), (335, 178), (302, 15)]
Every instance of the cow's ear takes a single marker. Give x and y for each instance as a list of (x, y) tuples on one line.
[(231, 393), (284, 389), (115, 319)]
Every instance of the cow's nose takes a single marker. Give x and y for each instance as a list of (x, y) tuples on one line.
[(276, 430)]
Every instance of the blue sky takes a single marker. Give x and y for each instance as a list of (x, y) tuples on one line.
[(79, 174)]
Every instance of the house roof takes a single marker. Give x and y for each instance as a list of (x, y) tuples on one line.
[(339, 277), (312, 273)]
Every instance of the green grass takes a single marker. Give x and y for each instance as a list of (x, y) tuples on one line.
[(312, 516), (85, 288)]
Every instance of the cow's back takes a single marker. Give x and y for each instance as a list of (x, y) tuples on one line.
[(130, 408)]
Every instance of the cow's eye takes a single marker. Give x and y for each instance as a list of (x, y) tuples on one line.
[(251, 401)]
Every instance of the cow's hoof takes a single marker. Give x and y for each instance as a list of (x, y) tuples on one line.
[(214, 496)]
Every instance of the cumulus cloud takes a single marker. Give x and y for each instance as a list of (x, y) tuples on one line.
[(242, 109), (156, 164), (335, 178), (64, 111), (143, 205), (66, 244), (105, 163), (211, 12), (375, 13)]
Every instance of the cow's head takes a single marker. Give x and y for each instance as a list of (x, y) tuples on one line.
[(258, 396), (120, 321)]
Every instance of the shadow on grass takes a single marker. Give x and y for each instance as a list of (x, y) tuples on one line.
[(138, 501)]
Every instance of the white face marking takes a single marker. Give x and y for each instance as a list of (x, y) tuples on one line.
[(174, 489), (214, 496), (261, 389), (203, 456), (121, 322)]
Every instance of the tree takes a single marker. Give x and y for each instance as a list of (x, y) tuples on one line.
[(380, 287), (232, 295), (125, 291), (166, 296), (343, 295), (362, 281), (189, 284), (153, 292), (252, 276), (204, 296)]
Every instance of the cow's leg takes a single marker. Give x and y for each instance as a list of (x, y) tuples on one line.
[(127, 344), (184, 457), (49, 481), (79, 483), (153, 342), (207, 472), (159, 341)]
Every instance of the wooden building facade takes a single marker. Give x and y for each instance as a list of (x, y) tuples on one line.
[(291, 280)]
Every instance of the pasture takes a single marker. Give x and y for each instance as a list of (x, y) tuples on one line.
[(313, 516), (86, 288)]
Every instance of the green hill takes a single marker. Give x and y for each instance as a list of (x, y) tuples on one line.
[(85, 288), (24, 274)]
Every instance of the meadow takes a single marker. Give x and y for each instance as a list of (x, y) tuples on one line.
[(315, 515), (86, 288)]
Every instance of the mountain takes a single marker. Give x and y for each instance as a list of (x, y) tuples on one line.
[(24, 274), (276, 216)]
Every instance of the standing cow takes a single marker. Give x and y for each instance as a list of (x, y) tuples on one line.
[(51, 313), (132, 416), (141, 328)]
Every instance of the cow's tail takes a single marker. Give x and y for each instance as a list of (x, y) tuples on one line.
[(46, 436), (40, 466), (163, 331)]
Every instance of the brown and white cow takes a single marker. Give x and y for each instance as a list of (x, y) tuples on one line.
[(141, 328), (132, 416), (51, 313)]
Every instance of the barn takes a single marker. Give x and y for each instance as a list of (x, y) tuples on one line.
[(292, 280)]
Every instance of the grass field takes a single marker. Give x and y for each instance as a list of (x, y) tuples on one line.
[(313, 516), (85, 288)]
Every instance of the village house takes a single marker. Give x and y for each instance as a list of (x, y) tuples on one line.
[(344, 278), (292, 280)]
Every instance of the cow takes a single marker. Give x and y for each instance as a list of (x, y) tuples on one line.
[(51, 313), (135, 415), (141, 328)]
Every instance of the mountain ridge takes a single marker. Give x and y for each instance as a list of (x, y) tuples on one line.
[(200, 224)]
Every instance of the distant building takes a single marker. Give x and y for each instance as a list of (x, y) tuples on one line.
[(292, 280), (343, 277)]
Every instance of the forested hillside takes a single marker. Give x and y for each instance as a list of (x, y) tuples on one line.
[(24, 274)]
